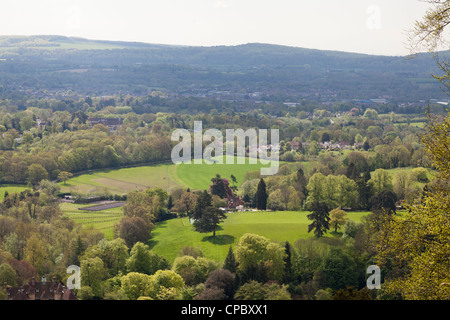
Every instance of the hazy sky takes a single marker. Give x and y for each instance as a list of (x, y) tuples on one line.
[(374, 26)]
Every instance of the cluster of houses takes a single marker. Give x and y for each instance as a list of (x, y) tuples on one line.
[(40, 290), (327, 145), (112, 123)]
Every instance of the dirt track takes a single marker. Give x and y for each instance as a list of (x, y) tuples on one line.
[(104, 206)]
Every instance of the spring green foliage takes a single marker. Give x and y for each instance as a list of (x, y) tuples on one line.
[(418, 243)]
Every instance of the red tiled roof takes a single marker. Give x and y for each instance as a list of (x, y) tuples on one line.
[(40, 291)]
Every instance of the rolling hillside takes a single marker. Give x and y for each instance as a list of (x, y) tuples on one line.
[(46, 64)]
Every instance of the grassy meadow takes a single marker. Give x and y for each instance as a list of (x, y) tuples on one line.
[(121, 181), (166, 176), (199, 176), (170, 236)]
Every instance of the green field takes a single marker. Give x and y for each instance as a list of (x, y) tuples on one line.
[(170, 236), (430, 174), (413, 124), (121, 181), (101, 220), (11, 188), (166, 176), (199, 176)]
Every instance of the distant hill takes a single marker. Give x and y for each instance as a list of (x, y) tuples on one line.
[(54, 63)]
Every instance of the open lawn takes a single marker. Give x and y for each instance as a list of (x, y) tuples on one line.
[(166, 176), (121, 181), (11, 188), (170, 236), (199, 176)]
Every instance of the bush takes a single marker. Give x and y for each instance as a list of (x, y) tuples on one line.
[(351, 228)]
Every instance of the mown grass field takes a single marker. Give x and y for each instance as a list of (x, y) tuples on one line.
[(121, 181), (11, 188), (170, 236), (197, 176), (166, 176)]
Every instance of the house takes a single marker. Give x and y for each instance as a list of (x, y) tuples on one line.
[(111, 123), (354, 112), (305, 144), (295, 145), (41, 124), (43, 290)]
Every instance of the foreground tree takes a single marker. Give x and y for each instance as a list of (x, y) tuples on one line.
[(259, 259), (92, 274), (136, 285), (339, 269), (218, 286), (415, 249), (7, 274)]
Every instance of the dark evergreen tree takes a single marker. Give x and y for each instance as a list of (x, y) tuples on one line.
[(287, 277), (170, 202), (261, 195), (340, 269), (301, 183), (257, 272), (366, 145), (247, 199), (325, 137), (320, 217), (384, 201), (78, 250), (230, 262), (234, 181), (365, 191), (206, 216), (218, 187), (353, 172)]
